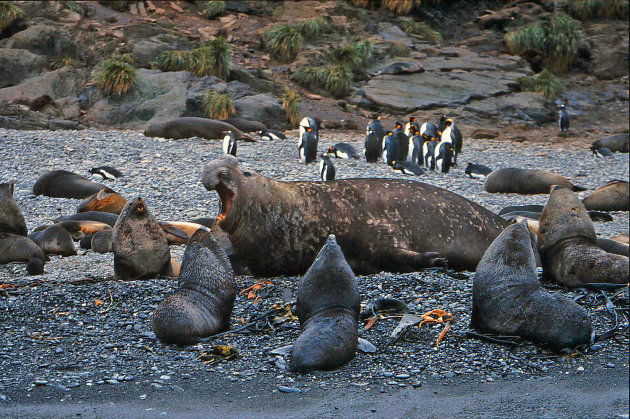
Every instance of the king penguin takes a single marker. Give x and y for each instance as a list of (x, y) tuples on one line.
[(452, 134), (343, 151), (373, 149), (413, 122), (407, 168), (403, 141), (229, 143), (271, 134), (391, 149), (563, 118), (308, 122), (307, 149), (326, 168), (377, 126)]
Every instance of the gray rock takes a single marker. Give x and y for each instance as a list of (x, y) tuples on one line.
[(147, 50), (520, 107), (17, 65), (393, 33), (285, 389), (44, 39), (262, 107)]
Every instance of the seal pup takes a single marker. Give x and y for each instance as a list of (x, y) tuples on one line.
[(525, 181), (381, 224), (202, 304), (186, 127), (139, 244), (11, 218), (615, 143), (326, 168), (568, 245), (508, 300), (55, 240), (229, 143), (14, 248), (78, 229), (105, 200), (103, 241), (64, 184), (100, 216), (328, 307), (477, 171), (613, 196), (106, 172)]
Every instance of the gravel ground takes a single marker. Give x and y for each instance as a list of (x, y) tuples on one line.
[(58, 341)]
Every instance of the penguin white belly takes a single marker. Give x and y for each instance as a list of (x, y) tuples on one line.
[(342, 155), (226, 145), (302, 154), (423, 128), (478, 176), (407, 129), (412, 150), (322, 170)]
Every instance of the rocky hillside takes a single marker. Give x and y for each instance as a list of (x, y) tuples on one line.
[(445, 57)]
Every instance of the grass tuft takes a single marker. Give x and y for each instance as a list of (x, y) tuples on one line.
[(313, 27), (544, 82), (397, 49), (212, 58), (587, 9), (423, 30), (291, 104), (213, 9), (345, 55), (337, 80), (217, 105), (9, 13), (284, 41), (365, 50), (115, 76), (401, 7), (307, 76)]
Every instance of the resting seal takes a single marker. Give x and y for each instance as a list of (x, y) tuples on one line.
[(11, 218), (525, 181), (619, 142), (380, 224), (103, 217), (14, 248), (139, 244), (328, 307), (202, 305), (105, 200), (507, 298), (64, 184), (568, 245), (613, 196), (245, 125), (621, 238), (187, 127), (55, 240)]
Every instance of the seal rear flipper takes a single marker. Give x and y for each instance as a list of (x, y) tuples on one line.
[(403, 260)]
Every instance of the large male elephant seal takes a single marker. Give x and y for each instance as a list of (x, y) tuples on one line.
[(186, 127), (568, 245), (245, 125), (14, 248), (64, 184), (55, 240), (202, 305), (619, 142), (507, 298), (613, 196), (328, 307), (11, 218), (380, 224), (525, 181), (139, 244), (105, 200)]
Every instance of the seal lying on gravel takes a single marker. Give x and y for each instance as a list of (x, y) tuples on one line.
[(507, 298), (622, 238), (139, 244), (103, 217), (525, 181), (619, 142), (105, 200), (55, 240), (380, 224), (64, 184), (613, 196), (328, 307), (14, 248), (202, 305), (187, 127), (78, 229), (568, 245), (11, 218)]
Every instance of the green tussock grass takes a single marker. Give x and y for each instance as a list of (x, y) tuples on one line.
[(284, 41), (558, 39), (365, 49), (217, 105), (401, 7), (212, 58), (307, 76), (335, 79), (545, 82), (423, 30), (291, 105), (356, 56), (588, 9), (213, 9), (9, 13), (115, 76), (119, 5), (313, 27), (398, 49)]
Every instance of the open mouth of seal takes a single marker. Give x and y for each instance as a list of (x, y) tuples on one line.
[(226, 196)]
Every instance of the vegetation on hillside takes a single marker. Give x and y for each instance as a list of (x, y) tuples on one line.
[(291, 105), (423, 30), (313, 27), (587, 9), (9, 13), (284, 41), (544, 82), (115, 76), (211, 58), (119, 5), (217, 105), (213, 9), (401, 7)]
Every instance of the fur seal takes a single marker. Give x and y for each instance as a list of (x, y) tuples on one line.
[(105, 200), (613, 246), (202, 305), (64, 184), (613, 196), (568, 245), (507, 298), (621, 238), (78, 229), (11, 218), (102, 242), (139, 244), (14, 248), (381, 224), (55, 240), (103, 217), (245, 125), (525, 181), (619, 142), (328, 307), (186, 127)]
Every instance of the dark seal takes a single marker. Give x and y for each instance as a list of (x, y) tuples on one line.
[(567, 244), (64, 184), (525, 181), (187, 127), (613, 196), (103, 217), (14, 248), (328, 307), (508, 300), (11, 218), (139, 244), (615, 143), (202, 305), (55, 240), (380, 224)]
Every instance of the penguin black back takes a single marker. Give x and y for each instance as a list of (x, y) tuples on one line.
[(307, 149), (407, 168), (391, 149), (343, 151), (428, 151), (563, 118), (107, 172), (477, 171), (443, 156), (271, 134), (372, 146), (326, 168), (403, 141)]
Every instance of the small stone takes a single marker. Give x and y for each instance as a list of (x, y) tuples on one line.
[(41, 382), (388, 374), (449, 375), (489, 379), (143, 397), (610, 365), (113, 382), (165, 377), (580, 369), (156, 386), (73, 384), (402, 376), (285, 389)]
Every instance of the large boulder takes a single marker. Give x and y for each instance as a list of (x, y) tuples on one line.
[(44, 39), (17, 65), (523, 107), (262, 107), (15, 116)]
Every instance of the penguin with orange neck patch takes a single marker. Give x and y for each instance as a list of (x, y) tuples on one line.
[(450, 133), (343, 151), (307, 149)]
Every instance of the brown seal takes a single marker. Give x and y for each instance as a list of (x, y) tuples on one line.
[(202, 305), (525, 181), (14, 248), (380, 224), (105, 200), (187, 127), (139, 244), (78, 229), (102, 242), (613, 196), (568, 245), (622, 238), (55, 240), (11, 218), (328, 307), (64, 184), (619, 142), (508, 300), (103, 217)]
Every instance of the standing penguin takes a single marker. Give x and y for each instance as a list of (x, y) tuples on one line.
[(391, 149), (563, 118), (373, 148), (229, 143), (307, 148), (326, 168), (416, 142), (376, 126), (429, 131), (412, 123), (428, 149), (403, 141), (454, 136), (443, 156), (308, 122)]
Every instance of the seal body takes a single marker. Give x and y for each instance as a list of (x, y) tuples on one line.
[(14, 248), (615, 143), (55, 240), (507, 298), (328, 307), (11, 218), (103, 217), (105, 200), (139, 244), (64, 184), (613, 196), (568, 245), (186, 127), (381, 224), (102, 242), (202, 305), (525, 181), (245, 125)]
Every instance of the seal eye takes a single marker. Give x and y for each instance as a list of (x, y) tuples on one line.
[(247, 174)]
